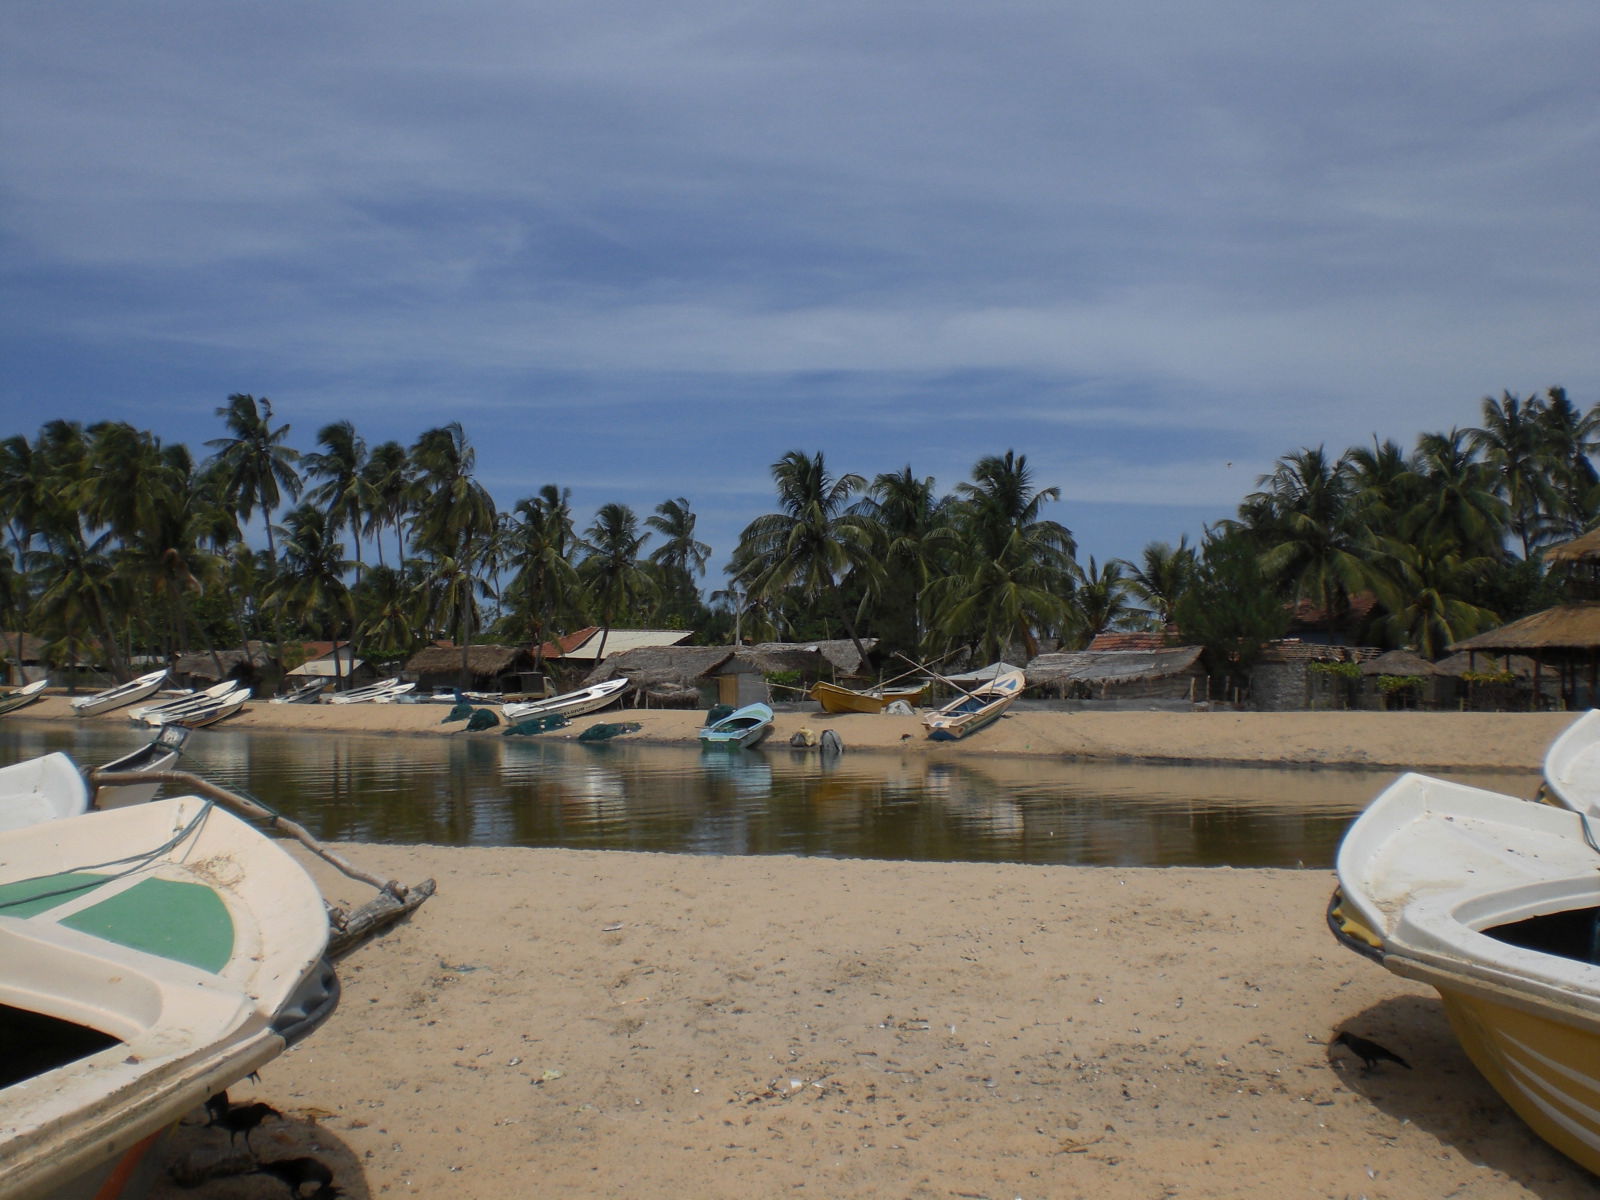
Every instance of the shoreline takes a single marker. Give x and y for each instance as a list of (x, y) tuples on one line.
[(1374, 740)]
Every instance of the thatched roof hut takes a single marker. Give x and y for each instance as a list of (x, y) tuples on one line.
[(203, 667), (1168, 673), (663, 673), (1565, 639), (489, 667), (840, 653)]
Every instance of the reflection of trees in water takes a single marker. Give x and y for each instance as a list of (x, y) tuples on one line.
[(488, 790)]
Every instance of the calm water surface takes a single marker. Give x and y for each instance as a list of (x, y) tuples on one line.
[(496, 791)]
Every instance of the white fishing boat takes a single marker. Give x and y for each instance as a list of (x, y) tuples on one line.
[(180, 701), (1494, 902), (207, 713), (973, 710), (742, 728), (130, 995), (46, 788), (22, 695), (569, 704), (1572, 766), (372, 693), (123, 694), (160, 753), (306, 693)]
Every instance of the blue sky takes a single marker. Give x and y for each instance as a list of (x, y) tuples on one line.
[(642, 250)]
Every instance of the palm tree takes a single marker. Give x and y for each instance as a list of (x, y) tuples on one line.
[(455, 526), (912, 522), (391, 491), (385, 604), (1510, 443), (680, 557), (812, 542), (1456, 506), (259, 468), (311, 586), (1160, 578), (541, 544), (611, 569), (1568, 439), (1314, 548), (345, 491), (1424, 588), (1015, 570), (1099, 602)]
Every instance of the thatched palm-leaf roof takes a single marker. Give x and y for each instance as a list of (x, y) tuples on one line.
[(770, 657), (653, 666), (1580, 549), (203, 664), (839, 652), (487, 659), (1565, 627), (1111, 666), (1399, 662)]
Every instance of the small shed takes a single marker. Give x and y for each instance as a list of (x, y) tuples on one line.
[(488, 668), (1404, 679), (1171, 673), (742, 678), (24, 656)]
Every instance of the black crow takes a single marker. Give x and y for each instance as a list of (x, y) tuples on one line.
[(244, 1119), (1370, 1053), (296, 1172)]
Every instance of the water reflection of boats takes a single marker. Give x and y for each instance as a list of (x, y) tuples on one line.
[(1495, 903), (750, 774)]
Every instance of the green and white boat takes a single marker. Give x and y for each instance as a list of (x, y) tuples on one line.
[(150, 956)]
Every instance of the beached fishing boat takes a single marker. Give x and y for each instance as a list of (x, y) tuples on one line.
[(742, 728), (306, 693), (23, 695), (1572, 766), (180, 701), (373, 693), (160, 753), (837, 699), (123, 694), (208, 713), (1495, 903), (130, 995), (569, 704), (982, 706), (46, 788)]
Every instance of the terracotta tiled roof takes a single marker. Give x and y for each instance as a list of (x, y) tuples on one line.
[(1128, 641)]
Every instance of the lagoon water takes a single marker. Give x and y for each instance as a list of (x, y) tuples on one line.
[(486, 789)]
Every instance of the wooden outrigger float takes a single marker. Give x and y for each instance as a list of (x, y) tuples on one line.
[(347, 929)]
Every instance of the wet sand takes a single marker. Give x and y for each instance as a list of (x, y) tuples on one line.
[(615, 1024)]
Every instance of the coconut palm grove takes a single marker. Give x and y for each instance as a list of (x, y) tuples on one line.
[(120, 546)]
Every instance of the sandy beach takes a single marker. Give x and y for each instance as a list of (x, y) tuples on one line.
[(615, 1024)]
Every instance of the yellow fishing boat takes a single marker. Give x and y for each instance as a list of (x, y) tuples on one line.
[(837, 699), (1495, 903)]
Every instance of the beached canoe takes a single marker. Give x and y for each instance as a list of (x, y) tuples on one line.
[(1495, 903), (982, 706), (23, 695), (204, 711), (373, 693), (306, 693), (123, 694), (742, 728), (160, 753), (1572, 766), (132, 993), (184, 700), (569, 704), (46, 788), (837, 699)]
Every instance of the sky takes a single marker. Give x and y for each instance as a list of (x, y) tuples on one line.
[(643, 250)]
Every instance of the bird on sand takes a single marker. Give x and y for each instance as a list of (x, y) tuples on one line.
[(245, 1118), (297, 1172), (1369, 1052)]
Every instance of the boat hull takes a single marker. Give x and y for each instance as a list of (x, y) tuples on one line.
[(842, 700), (747, 727), (1572, 766), (24, 695), (968, 714), (1543, 1061), (571, 704), (120, 697)]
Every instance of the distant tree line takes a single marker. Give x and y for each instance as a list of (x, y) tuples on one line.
[(120, 546)]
